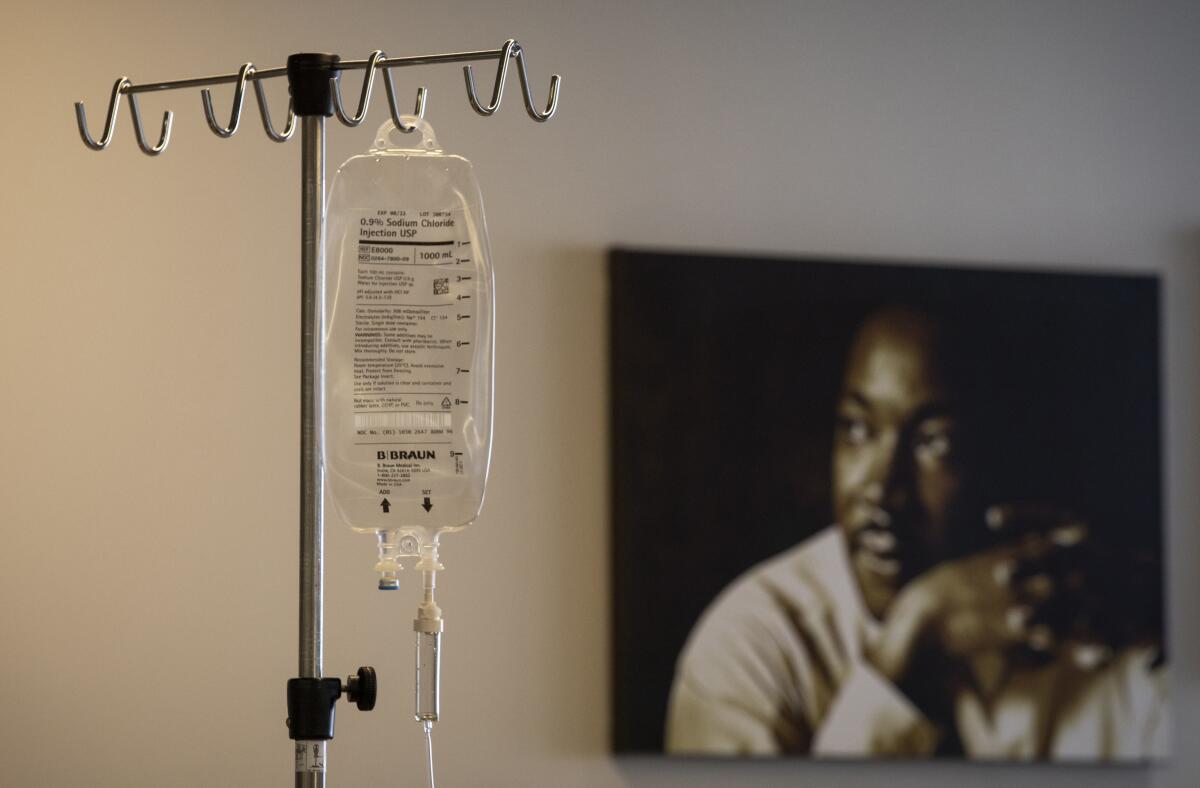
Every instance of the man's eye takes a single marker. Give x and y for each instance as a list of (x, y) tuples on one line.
[(933, 447), (854, 431)]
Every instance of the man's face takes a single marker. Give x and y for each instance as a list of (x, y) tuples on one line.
[(897, 480)]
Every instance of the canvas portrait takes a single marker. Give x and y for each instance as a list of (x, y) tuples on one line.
[(881, 510)]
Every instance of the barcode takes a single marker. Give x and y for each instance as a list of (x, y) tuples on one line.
[(370, 421)]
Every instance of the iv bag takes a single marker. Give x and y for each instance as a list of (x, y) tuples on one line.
[(408, 338)]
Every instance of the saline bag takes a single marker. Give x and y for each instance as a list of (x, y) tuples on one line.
[(408, 342)]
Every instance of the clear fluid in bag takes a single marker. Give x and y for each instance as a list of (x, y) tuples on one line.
[(409, 339)]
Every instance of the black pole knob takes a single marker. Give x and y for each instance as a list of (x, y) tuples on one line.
[(362, 688)]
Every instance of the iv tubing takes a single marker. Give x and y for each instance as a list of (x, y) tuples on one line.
[(428, 725)]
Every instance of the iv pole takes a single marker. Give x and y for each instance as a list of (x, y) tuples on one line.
[(313, 82), (310, 771)]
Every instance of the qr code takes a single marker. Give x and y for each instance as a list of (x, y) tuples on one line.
[(441, 286)]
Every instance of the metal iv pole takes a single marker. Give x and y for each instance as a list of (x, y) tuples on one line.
[(313, 85)]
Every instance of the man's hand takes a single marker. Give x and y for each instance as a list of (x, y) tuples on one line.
[(1017, 599)]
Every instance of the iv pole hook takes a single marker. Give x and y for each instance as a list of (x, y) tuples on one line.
[(260, 93), (110, 123), (163, 139), (364, 98), (419, 109), (497, 90), (551, 104), (510, 50), (235, 116)]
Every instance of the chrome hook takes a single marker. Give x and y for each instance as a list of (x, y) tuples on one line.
[(110, 123), (419, 111), (163, 139), (551, 105), (498, 90), (235, 117), (364, 98), (260, 93)]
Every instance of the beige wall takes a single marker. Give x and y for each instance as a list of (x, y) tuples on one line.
[(148, 342)]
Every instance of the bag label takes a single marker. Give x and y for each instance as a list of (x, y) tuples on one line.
[(414, 331)]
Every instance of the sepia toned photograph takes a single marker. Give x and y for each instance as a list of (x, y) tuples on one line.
[(869, 510)]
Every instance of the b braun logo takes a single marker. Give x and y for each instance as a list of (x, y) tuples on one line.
[(421, 454)]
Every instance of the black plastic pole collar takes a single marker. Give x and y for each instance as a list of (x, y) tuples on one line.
[(308, 81), (310, 708)]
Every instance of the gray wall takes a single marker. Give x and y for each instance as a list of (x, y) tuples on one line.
[(149, 326)]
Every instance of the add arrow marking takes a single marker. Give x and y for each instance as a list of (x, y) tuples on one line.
[(387, 505), (427, 505)]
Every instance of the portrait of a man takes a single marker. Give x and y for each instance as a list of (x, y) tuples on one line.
[(950, 538)]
